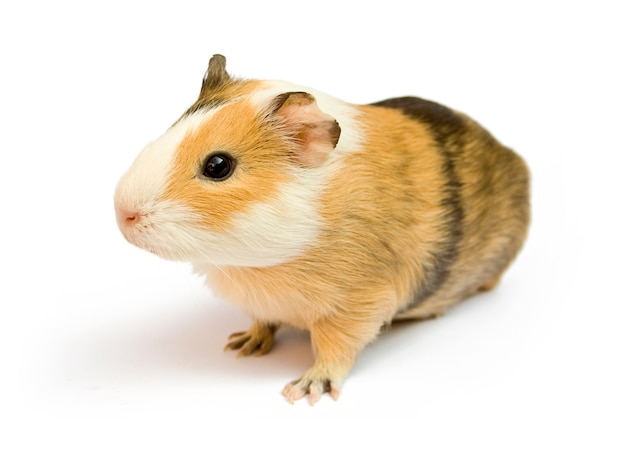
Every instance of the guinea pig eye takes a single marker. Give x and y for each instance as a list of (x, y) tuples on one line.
[(218, 166)]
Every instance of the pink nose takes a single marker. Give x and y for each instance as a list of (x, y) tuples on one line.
[(126, 218)]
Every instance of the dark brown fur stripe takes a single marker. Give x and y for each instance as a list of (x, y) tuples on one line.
[(448, 130)]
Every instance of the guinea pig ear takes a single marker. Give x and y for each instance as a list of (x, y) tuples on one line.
[(216, 75), (315, 132)]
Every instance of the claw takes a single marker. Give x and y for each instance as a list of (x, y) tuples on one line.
[(264, 347), (293, 392), (315, 392)]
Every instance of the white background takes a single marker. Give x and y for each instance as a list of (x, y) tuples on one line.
[(112, 356)]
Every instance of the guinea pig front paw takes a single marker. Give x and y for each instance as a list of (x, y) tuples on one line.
[(314, 384), (258, 339)]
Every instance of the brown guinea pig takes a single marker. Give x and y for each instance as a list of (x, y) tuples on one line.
[(310, 212)]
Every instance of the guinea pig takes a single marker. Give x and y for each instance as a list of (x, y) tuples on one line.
[(310, 212)]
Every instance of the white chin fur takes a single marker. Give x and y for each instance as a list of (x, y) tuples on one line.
[(267, 234)]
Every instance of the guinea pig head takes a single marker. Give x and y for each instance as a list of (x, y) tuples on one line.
[(233, 182)]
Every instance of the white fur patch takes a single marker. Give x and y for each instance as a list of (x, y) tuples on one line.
[(268, 234), (146, 178)]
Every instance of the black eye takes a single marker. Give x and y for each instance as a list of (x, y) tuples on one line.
[(218, 166)]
